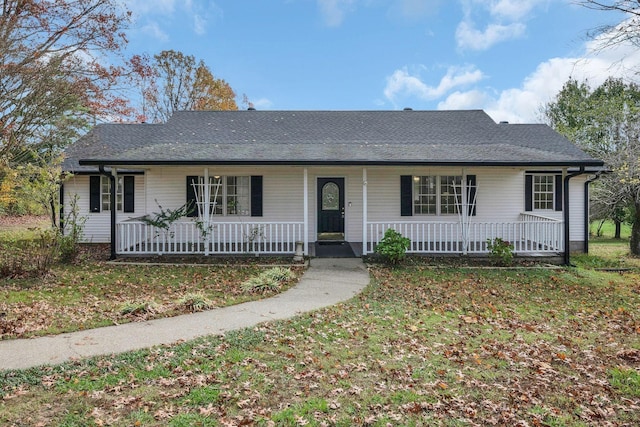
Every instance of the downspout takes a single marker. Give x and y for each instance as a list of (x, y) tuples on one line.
[(112, 196), (565, 212), (586, 211), (61, 210)]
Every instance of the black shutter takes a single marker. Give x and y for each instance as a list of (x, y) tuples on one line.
[(191, 196), (558, 195), (528, 193), (406, 195), (256, 195), (471, 195), (128, 193), (94, 193)]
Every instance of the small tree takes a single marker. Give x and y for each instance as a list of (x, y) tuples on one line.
[(393, 246), (173, 81)]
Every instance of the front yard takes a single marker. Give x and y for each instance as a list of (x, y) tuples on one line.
[(420, 346)]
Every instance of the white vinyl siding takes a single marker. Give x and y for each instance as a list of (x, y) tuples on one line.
[(97, 226), (499, 195)]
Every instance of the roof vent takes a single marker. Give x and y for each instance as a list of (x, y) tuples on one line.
[(251, 109), (408, 109), (504, 122)]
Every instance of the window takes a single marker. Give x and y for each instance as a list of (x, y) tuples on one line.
[(228, 195), (238, 195), (100, 193), (543, 192), (105, 193), (436, 195), (450, 194)]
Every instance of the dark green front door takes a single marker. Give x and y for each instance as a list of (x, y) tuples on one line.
[(331, 208)]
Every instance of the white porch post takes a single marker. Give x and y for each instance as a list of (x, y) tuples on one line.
[(206, 195), (305, 183), (113, 197), (364, 211), (465, 213)]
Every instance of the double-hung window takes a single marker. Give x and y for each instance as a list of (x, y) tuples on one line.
[(437, 195), (105, 193), (543, 192), (100, 193), (228, 195)]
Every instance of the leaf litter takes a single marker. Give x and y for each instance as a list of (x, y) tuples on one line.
[(417, 347)]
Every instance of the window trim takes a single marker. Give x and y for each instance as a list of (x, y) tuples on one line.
[(438, 195), (530, 191), (543, 192), (224, 197), (100, 189)]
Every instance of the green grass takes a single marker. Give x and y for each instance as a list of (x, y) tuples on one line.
[(608, 230), (91, 294), (419, 346)]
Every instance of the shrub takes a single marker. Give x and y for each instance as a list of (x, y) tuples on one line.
[(500, 251), (393, 246), (30, 257), (138, 308), (268, 280), (195, 302), (72, 232)]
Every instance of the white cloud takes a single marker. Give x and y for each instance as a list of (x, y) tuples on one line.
[(334, 11), (524, 104), (514, 10), (147, 13), (401, 84), (262, 104), (199, 25), (153, 30), (470, 100), (502, 20), (468, 37)]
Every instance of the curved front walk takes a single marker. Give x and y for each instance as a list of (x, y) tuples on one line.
[(326, 282)]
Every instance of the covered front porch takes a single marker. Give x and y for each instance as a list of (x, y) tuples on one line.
[(356, 216), (530, 235)]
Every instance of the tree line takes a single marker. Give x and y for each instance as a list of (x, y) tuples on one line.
[(55, 83)]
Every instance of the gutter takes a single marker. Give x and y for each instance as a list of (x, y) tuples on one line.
[(565, 211), (112, 196), (354, 162)]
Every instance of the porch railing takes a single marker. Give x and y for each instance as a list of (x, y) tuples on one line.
[(531, 234), (137, 237)]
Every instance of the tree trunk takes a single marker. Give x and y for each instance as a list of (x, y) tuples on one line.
[(634, 245), (52, 213), (618, 229)]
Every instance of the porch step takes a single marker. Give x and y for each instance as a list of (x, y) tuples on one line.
[(333, 249)]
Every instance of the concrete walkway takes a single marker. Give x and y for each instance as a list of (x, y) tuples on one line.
[(326, 282)]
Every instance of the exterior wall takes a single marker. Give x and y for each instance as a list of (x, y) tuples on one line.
[(500, 196), (282, 190), (97, 226), (576, 213)]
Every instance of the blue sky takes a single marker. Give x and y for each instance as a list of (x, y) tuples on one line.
[(508, 57)]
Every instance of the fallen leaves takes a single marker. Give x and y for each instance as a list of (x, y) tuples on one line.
[(416, 348), (77, 297)]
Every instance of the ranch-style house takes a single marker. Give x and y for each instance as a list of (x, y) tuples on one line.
[(271, 182)]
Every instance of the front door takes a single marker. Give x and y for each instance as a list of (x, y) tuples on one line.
[(330, 208)]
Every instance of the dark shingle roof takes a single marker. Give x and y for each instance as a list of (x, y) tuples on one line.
[(322, 137)]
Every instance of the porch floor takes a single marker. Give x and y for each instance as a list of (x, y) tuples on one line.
[(333, 249)]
